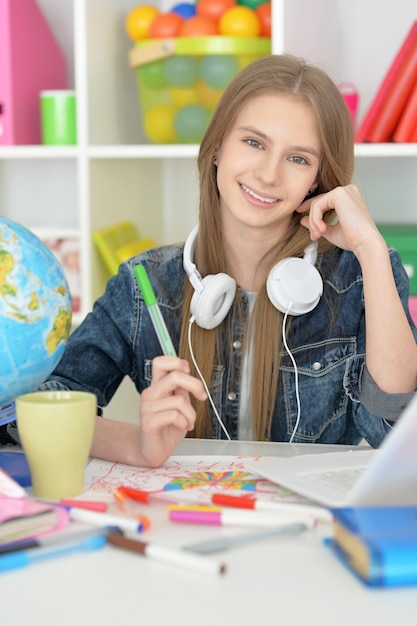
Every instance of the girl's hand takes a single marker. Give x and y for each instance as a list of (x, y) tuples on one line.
[(353, 229), (166, 413)]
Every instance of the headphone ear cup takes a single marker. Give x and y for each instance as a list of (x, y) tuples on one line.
[(213, 303), (294, 286)]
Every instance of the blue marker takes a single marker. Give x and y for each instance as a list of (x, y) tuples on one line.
[(22, 558), (154, 311)]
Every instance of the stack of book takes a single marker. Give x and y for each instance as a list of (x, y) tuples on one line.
[(23, 517), (378, 544), (392, 115)]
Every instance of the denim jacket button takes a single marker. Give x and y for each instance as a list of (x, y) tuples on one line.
[(316, 366), (231, 396), (237, 345)]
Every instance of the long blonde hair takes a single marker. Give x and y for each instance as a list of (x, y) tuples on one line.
[(275, 74)]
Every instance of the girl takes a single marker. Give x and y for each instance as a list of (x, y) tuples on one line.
[(275, 169)]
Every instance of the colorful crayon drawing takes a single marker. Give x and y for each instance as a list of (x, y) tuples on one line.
[(229, 479), (192, 478)]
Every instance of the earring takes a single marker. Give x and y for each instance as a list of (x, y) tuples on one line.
[(215, 160)]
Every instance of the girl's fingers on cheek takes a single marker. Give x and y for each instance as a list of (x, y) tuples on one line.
[(317, 223)]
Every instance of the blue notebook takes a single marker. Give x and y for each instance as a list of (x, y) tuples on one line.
[(16, 465), (379, 544)]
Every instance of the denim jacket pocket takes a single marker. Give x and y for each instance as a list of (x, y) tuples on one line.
[(320, 375)]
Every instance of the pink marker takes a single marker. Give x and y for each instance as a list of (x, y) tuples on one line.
[(203, 515)]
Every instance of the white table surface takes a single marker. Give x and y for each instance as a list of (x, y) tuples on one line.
[(285, 581)]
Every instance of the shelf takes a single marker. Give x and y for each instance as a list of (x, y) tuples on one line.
[(38, 152), (372, 150), (144, 152), (177, 151)]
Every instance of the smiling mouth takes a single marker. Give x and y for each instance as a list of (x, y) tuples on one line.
[(257, 196)]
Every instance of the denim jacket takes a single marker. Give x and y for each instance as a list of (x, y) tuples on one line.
[(340, 403)]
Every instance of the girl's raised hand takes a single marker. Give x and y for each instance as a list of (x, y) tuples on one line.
[(353, 228), (166, 412)]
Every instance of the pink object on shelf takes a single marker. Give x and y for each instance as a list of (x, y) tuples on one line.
[(351, 97), (30, 61), (412, 303)]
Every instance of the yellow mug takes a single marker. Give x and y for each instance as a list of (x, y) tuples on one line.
[(56, 431)]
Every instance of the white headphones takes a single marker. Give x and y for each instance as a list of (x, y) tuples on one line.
[(214, 294), (294, 286)]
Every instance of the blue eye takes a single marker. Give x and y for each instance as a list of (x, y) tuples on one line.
[(254, 143), (298, 159)]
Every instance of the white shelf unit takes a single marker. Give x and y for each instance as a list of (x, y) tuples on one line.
[(115, 174)]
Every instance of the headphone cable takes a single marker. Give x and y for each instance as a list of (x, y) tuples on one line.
[(192, 320), (297, 394)]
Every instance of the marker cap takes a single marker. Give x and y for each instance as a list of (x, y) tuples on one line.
[(145, 285)]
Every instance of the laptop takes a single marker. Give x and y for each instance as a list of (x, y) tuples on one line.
[(386, 476)]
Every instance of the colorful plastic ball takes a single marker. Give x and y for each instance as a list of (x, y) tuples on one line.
[(166, 25), (159, 123), (152, 75), (199, 26), (244, 60), (182, 96), (218, 70), (191, 122), (181, 70), (240, 21), (214, 8), (138, 21), (208, 96), (263, 12), (251, 4), (185, 9)]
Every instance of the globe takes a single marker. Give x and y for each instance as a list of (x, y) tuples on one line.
[(35, 311)]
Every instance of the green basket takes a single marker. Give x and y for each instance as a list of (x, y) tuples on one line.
[(181, 80), (403, 237)]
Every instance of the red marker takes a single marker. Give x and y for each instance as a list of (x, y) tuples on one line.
[(247, 502), (90, 505), (148, 497)]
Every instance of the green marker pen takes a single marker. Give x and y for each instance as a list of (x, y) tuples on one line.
[(154, 311)]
